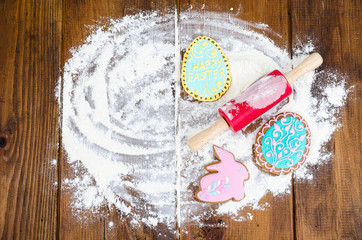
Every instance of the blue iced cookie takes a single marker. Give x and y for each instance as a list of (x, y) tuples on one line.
[(282, 144)]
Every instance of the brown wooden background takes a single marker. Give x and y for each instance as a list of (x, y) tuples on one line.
[(35, 38)]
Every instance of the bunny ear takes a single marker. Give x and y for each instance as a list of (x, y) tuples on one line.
[(223, 155)]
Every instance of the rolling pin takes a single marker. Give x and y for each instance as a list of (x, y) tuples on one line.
[(257, 99)]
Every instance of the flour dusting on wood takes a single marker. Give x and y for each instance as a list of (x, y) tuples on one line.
[(119, 130)]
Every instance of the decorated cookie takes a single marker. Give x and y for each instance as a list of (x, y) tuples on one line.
[(282, 144), (205, 72), (225, 179)]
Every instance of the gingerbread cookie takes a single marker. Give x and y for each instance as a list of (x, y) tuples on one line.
[(205, 72), (282, 144), (225, 180)]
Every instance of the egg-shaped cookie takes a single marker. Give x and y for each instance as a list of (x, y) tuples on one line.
[(205, 72), (283, 144)]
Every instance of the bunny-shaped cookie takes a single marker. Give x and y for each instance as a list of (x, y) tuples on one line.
[(225, 179)]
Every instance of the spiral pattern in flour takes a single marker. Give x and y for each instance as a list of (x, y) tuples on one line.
[(118, 116)]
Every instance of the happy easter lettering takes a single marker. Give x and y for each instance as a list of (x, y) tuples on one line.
[(207, 70)]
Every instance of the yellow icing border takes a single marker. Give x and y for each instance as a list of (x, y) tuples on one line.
[(183, 72)]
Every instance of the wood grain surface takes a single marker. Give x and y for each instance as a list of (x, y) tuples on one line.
[(36, 37), (30, 61), (330, 206)]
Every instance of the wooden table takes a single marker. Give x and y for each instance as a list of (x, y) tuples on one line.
[(35, 40)]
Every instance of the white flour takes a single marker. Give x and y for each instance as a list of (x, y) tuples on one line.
[(121, 101)]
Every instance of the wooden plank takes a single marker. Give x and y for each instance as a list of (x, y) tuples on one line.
[(276, 222), (30, 61), (330, 207), (79, 15)]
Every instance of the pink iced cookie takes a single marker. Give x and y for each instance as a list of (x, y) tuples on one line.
[(225, 180)]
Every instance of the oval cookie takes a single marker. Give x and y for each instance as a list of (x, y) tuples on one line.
[(205, 72), (282, 144)]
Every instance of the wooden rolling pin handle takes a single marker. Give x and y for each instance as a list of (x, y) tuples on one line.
[(310, 63), (200, 139)]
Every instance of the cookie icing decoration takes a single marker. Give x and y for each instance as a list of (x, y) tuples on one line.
[(225, 179), (205, 72), (282, 145)]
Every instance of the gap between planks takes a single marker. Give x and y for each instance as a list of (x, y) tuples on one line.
[(290, 46), (60, 101), (177, 119)]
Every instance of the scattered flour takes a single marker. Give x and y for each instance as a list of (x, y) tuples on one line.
[(54, 162), (120, 99), (118, 119), (110, 224), (336, 95)]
